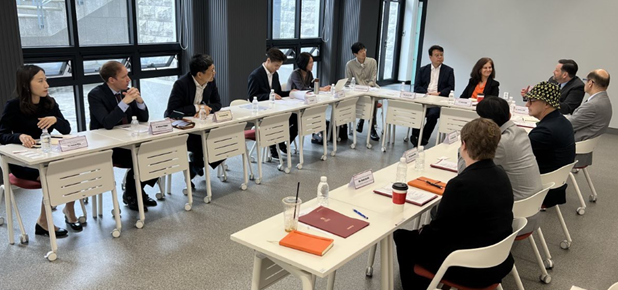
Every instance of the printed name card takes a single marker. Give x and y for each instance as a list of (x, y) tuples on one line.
[(410, 155), (362, 179), (451, 137), (73, 143), (222, 116), (408, 95), (359, 88), (311, 99), (160, 127), (339, 94), (463, 102), (521, 110)]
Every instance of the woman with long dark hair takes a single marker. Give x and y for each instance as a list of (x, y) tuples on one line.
[(482, 80), (302, 77), (22, 122)]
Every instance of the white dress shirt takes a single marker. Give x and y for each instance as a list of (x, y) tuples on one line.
[(433, 82), (199, 94), (270, 76)]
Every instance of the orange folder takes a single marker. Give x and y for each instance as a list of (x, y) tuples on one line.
[(307, 243), (428, 184)]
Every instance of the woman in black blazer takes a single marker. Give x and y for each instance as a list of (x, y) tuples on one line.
[(22, 122), (482, 80)]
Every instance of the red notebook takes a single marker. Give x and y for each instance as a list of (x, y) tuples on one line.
[(333, 222)]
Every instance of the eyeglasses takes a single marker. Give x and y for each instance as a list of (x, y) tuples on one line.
[(530, 100), (586, 80)]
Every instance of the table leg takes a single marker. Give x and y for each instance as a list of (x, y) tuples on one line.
[(257, 272), (372, 100), (138, 188), (331, 281), (301, 139), (48, 213), (206, 169), (420, 133), (7, 200), (258, 150), (386, 266), (333, 130)]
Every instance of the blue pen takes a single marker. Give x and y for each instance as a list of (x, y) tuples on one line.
[(360, 214)]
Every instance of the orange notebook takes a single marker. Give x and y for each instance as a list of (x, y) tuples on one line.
[(428, 184), (307, 243)]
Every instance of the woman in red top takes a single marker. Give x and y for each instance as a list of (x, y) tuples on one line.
[(482, 80)]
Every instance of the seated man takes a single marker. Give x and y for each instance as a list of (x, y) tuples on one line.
[(475, 211), (111, 104), (435, 79), (365, 71), (196, 88), (262, 80), (592, 118), (552, 140)]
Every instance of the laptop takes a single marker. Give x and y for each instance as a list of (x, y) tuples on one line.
[(340, 84)]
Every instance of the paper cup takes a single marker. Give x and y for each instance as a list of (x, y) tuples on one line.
[(400, 190)]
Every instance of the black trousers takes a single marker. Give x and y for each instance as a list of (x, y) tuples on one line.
[(194, 145), (122, 158), (406, 242), (26, 173), (374, 123), (432, 115)]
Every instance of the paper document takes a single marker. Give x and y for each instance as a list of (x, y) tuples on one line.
[(289, 102), (414, 196), (250, 107), (445, 165)]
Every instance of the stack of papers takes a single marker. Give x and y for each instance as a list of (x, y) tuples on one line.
[(417, 197), (445, 165)]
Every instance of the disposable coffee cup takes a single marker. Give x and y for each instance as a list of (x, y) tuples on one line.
[(291, 211), (400, 190)]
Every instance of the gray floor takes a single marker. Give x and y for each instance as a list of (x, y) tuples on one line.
[(187, 250)]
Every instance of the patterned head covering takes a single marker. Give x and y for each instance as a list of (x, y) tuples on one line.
[(546, 92)]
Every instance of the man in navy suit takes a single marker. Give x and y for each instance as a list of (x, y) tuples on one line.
[(262, 80), (191, 91), (435, 79), (111, 104)]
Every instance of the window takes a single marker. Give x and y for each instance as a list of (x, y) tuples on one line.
[(102, 22), (156, 21), (284, 18), (64, 97), (42, 23), (156, 92), (55, 69), (310, 19), (159, 62)]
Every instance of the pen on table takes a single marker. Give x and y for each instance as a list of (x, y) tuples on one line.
[(431, 183), (360, 214)]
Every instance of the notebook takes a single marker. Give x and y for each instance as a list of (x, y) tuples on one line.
[(417, 197), (428, 184), (307, 243), (445, 165), (333, 222)]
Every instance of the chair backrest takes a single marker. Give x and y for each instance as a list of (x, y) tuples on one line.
[(406, 114), (227, 141), (614, 287), (274, 129), (586, 146), (485, 257), (163, 156), (313, 120), (363, 107), (531, 205), (345, 111), (238, 102), (558, 176), (453, 119)]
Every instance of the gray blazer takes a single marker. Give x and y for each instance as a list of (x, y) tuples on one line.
[(591, 120)]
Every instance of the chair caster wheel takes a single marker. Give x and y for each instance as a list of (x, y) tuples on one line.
[(338, 139), (23, 239), (383, 149), (224, 179), (139, 224), (333, 153), (116, 233), (369, 146), (119, 212), (542, 209), (51, 256), (251, 177), (1, 221), (299, 166), (82, 220), (287, 170), (243, 186), (405, 139), (160, 196), (269, 159), (53, 207), (226, 168), (546, 279), (258, 181), (592, 198), (85, 200), (549, 264), (353, 146), (581, 211), (187, 206), (369, 272), (565, 245), (323, 158), (207, 199), (253, 159)]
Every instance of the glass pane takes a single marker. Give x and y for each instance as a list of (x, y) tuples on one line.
[(156, 92), (92, 67), (102, 22), (389, 41), (315, 51), (289, 53), (158, 62), (284, 18), (65, 97), (314, 71), (417, 34), (156, 21), (284, 74), (87, 89), (55, 69), (42, 23), (310, 19)]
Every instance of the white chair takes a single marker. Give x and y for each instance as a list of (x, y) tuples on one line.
[(479, 258), (559, 178), (273, 130), (614, 287), (526, 208), (311, 121), (364, 110), (343, 112), (401, 113), (584, 147), (453, 119)]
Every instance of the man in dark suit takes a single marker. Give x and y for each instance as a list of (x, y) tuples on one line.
[(190, 92), (571, 86), (262, 80), (552, 140), (435, 79), (475, 211), (111, 104)]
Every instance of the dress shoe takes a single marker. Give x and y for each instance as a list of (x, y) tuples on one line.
[(76, 226), (132, 203), (414, 140), (283, 148), (317, 138), (273, 152), (148, 201), (359, 127), (374, 135), (60, 233), (424, 142)]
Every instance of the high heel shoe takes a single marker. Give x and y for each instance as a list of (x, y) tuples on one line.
[(60, 233), (76, 226)]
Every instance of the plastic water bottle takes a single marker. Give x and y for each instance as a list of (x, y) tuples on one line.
[(512, 105), (332, 90), (451, 98), (402, 171), (403, 87), (134, 127), (323, 192), (254, 106), (202, 115), (271, 98), (353, 83), (45, 141), (420, 159)]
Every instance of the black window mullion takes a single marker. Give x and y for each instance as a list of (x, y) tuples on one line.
[(297, 27), (77, 66)]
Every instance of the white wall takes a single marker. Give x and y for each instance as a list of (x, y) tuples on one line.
[(407, 53), (525, 38)]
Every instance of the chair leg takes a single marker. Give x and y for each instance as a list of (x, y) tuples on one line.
[(548, 262), (168, 184), (370, 260), (545, 278), (1, 193), (566, 243), (100, 205), (24, 237), (82, 218), (593, 197), (94, 206), (582, 209), (520, 285)]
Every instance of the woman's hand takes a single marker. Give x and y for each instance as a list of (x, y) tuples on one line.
[(45, 123), (325, 89), (26, 140)]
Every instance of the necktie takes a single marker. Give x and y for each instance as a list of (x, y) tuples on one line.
[(124, 118)]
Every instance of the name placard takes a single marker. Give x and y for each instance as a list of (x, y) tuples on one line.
[(311, 99), (73, 143), (339, 94), (360, 88), (451, 137), (362, 179), (521, 110), (463, 102), (160, 127), (408, 95), (410, 155), (222, 116)]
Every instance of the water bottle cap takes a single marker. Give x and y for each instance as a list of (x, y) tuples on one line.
[(421, 148), (134, 118), (272, 90), (402, 159), (323, 179)]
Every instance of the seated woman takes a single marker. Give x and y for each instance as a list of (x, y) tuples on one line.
[(475, 211), (482, 80), (22, 122)]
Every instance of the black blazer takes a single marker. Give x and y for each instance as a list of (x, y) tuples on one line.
[(492, 88), (571, 95), (14, 123), (446, 80), (476, 210), (183, 94), (257, 85), (104, 110)]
